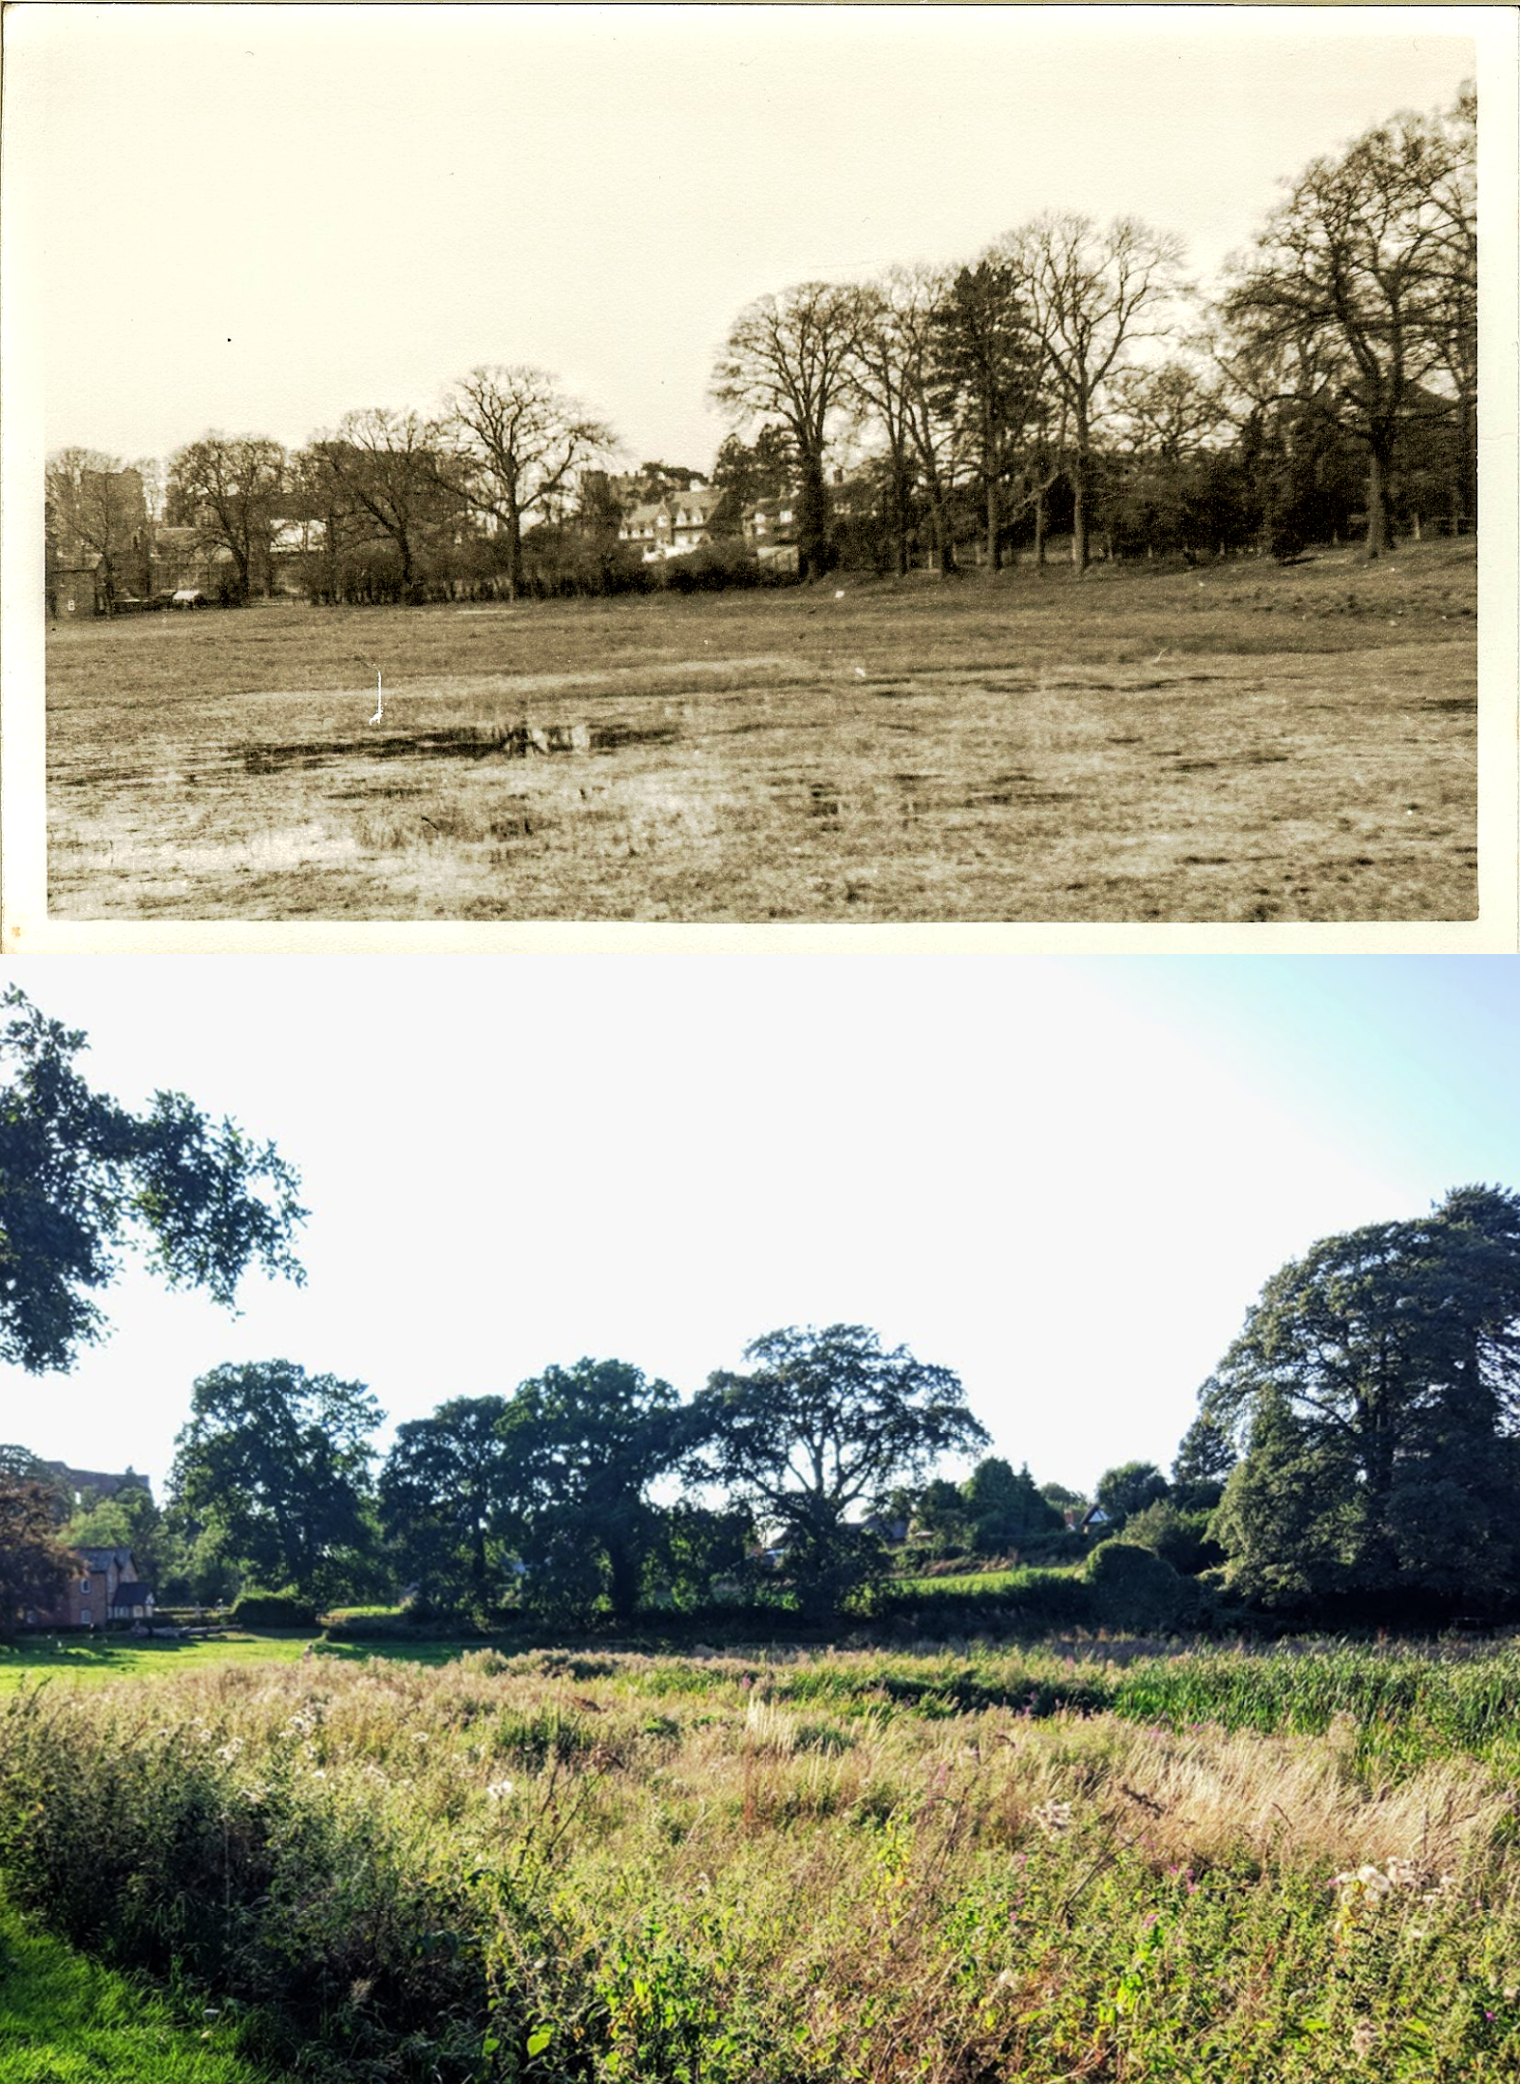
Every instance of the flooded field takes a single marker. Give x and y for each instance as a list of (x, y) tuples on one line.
[(1248, 744)]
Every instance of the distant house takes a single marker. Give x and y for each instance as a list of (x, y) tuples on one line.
[(105, 1588), (770, 529), (1094, 1522), (675, 523), (97, 545), (184, 559)]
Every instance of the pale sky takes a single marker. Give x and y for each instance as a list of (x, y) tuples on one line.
[(1067, 1178), (258, 218)]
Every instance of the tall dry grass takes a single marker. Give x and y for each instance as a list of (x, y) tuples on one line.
[(770, 1871)]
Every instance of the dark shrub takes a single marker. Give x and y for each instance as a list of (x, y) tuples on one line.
[(1133, 1588), (272, 1610)]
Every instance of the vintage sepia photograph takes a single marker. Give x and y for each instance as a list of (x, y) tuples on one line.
[(740, 466)]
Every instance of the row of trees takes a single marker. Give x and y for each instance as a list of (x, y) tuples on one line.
[(1357, 1449), (1356, 1456), (1335, 370), (388, 506), (548, 1495), (1351, 327)]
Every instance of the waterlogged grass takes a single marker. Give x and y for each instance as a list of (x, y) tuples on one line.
[(1238, 743), (64, 2019), (1083, 1859)]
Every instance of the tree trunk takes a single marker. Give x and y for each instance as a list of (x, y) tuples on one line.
[(994, 546), (1379, 511), (514, 554), (899, 513), (812, 519), (1467, 465), (1039, 530), (1081, 554)]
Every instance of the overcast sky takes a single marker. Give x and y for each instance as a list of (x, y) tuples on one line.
[(256, 219), (1066, 1178)]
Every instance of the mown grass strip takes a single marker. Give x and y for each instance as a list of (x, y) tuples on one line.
[(64, 2019)]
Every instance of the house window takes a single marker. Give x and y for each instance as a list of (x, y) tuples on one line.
[(785, 514)]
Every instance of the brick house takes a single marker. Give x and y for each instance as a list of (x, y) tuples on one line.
[(105, 1588)]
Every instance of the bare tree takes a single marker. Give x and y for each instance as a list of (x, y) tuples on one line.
[(788, 358), (1360, 297), (892, 373), (96, 515), (515, 447), (383, 469), (1167, 417), (231, 486), (1093, 293)]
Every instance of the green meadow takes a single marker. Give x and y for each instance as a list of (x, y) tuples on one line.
[(1113, 1859)]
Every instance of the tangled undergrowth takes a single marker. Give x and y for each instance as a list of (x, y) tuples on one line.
[(713, 1870)]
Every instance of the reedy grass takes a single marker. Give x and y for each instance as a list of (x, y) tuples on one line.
[(781, 1868)]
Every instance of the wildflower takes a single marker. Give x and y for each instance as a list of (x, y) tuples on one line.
[(499, 1790), (419, 1736), (1055, 1816)]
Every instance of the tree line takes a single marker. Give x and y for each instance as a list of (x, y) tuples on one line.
[(1355, 1455), (1009, 397)]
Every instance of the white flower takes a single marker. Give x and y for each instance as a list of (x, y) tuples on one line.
[(499, 1790), (1055, 1816)]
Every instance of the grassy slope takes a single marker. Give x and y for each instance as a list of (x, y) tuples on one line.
[(66, 2020), (1249, 743)]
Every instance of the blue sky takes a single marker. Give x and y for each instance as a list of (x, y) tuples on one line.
[(1065, 1177)]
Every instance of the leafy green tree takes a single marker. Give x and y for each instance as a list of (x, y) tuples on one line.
[(276, 1463), (1129, 1488), (35, 1564), (441, 1491), (941, 1514), (1064, 1499), (582, 1447), (80, 1177), (1376, 1389), (825, 1424), (1006, 1508), (1205, 1456), (696, 1544), (1134, 1588), (128, 1519), (1177, 1537)]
